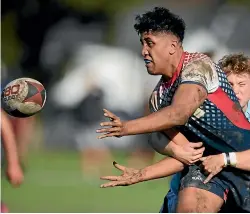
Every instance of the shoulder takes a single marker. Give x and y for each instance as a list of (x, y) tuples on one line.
[(199, 67), (202, 71)]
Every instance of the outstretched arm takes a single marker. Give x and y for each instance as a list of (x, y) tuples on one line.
[(187, 99), (166, 167), (179, 147)]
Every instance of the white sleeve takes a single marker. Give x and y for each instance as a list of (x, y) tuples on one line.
[(201, 72)]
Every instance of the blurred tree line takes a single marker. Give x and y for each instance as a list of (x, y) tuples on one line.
[(25, 22)]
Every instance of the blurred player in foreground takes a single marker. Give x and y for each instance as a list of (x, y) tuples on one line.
[(195, 97), (14, 171)]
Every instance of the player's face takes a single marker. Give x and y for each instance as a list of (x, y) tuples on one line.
[(241, 87), (156, 48)]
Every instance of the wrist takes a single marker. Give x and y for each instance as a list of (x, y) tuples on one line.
[(172, 150), (124, 128), (226, 159), (230, 159), (141, 175), (145, 174), (13, 164), (12, 161), (233, 159)]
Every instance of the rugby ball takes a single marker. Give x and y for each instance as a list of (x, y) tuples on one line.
[(23, 97)]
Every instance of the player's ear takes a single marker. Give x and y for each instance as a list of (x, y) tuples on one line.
[(174, 45)]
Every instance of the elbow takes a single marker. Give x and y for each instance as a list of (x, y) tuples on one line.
[(179, 115)]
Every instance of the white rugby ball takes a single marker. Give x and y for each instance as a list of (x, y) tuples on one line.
[(23, 97)]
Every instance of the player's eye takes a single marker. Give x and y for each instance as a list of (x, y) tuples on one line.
[(150, 43), (242, 84)]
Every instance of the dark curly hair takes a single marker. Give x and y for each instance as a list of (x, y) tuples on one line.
[(235, 64), (160, 19)]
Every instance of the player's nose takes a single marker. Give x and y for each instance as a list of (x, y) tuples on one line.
[(144, 51), (236, 90)]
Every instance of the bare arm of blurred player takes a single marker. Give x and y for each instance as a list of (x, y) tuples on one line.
[(187, 99), (14, 171)]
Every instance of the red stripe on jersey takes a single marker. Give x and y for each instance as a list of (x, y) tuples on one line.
[(229, 108), (177, 72)]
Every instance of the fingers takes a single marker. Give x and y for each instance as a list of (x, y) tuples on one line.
[(110, 178), (196, 145), (15, 182), (115, 125), (118, 166), (114, 184), (110, 114), (209, 177), (196, 158), (107, 130), (198, 151), (110, 124), (109, 184), (203, 159), (113, 134), (193, 161)]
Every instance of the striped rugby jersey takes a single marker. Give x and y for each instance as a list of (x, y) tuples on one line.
[(219, 122)]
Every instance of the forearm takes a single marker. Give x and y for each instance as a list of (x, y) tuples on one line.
[(9, 142), (177, 140), (243, 160), (171, 148), (166, 167), (163, 119)]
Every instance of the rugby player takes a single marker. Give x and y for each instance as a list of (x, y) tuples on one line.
[(237, 69), (191, 95)]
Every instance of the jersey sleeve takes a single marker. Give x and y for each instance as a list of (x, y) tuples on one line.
[(201, 72)]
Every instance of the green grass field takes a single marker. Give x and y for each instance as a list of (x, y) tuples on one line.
[(54, 183)]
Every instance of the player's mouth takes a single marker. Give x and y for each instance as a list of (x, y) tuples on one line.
[(147, 61)]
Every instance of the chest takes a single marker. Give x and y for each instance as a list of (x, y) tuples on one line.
[(163, 94)]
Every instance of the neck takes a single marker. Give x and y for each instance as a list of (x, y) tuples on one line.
[(172, 65), (244, 108)]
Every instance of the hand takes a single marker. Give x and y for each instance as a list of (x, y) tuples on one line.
[(117, 126), (188, 153), (212, 165), (129, 176), (15, 174)]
